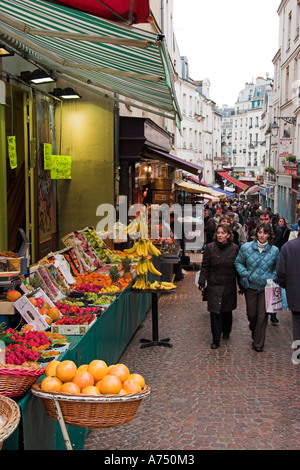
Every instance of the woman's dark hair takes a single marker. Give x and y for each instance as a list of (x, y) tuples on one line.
[(267, 228), (226, 229)]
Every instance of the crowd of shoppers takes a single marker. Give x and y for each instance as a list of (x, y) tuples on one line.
[(249, 247)]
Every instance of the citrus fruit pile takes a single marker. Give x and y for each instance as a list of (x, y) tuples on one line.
[(95, 378)]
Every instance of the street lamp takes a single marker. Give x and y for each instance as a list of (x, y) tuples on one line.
[(274, 129)]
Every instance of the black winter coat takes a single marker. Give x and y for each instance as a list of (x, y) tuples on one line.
[(288, 272), (219, 271)]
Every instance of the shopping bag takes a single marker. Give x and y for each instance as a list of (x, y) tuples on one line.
[(197, 275), (273, 297)]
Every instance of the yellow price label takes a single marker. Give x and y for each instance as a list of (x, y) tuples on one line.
[(12, 151), (48, 157), (61, 169)]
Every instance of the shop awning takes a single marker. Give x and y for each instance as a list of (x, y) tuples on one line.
[(94, 52), (233, 180), (252, 191), (165, 157), (198, 189), (128, 11)]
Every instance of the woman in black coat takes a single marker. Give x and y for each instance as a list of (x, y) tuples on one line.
[(218, 270)]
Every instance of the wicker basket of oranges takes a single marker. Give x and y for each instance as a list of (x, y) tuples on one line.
[(93, 395)]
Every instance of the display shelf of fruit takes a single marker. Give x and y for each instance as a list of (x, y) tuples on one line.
[(80, 319), (73, 308), (18, 354)]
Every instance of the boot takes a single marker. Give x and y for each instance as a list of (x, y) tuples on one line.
[(274, 319)]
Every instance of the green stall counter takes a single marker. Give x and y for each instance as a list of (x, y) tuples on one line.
[(106, 340)]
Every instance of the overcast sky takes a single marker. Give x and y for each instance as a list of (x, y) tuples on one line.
[(230, 42)]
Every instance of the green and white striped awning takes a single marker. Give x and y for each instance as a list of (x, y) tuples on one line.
[(97, 53)]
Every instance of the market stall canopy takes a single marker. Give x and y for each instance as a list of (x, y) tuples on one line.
[(165, 157), (198, 189), (127, 11), (233, 180), (94, 53), (252, 191)]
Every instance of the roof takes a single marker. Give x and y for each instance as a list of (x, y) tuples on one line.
[(97, 53)]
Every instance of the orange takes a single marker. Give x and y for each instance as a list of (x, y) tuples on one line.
[(119, 370), (82, 367), (33, 301), (66, 370), (70, 387), (53, 313), (83, 379), (98, 369), (109, 384), (51, 384), (91, 390), (131, 386), (139, 378), (50, 368)]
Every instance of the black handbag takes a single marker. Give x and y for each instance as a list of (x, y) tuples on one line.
[(204, 294)]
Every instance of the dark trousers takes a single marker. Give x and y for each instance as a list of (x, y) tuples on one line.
[(257, 316), (296, 325), (220, 323)]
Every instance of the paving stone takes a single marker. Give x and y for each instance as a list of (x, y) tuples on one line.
[(202, 399)]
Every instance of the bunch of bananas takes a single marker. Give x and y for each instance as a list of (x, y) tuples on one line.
[(141, 284), (142, 267), (143, 248), (138, 227)]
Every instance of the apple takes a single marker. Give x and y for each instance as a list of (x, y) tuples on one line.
[(40, 302)]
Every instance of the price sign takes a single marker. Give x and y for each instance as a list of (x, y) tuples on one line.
[(12, 151), (48, 157), (61, 167)]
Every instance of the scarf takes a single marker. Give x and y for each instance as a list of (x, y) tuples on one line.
[(261, 246)]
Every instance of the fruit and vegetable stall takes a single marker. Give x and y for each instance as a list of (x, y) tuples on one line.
[(76, 317)]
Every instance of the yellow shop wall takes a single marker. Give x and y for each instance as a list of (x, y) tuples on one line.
[(85, 131)]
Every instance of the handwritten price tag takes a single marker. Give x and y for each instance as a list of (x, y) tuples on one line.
[(12, 151), (61, 167), (48, 157)]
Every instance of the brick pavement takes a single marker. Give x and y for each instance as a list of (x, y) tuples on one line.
[(232, 398)]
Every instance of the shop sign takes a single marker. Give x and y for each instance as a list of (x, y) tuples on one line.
[(285, 147)]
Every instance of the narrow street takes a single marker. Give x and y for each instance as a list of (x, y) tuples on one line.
[(232, 398)]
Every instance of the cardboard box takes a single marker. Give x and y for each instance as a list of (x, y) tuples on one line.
[(7, 308), (71, 329), (30, 313)]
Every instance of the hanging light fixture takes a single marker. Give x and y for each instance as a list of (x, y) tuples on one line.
[(5, 51), (66, 93), (38, 77), (274, 129)]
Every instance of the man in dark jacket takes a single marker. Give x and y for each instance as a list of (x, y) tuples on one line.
[(288, 275)]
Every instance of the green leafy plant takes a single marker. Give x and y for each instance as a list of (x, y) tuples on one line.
[(270, 169), (291, 158)]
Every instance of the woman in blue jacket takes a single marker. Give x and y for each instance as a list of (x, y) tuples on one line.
[(257, 262)]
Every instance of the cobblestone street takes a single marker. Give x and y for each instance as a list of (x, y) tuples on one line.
[(232, 398)]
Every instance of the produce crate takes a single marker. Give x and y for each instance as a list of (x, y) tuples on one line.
[(30, 313), (72, 329)]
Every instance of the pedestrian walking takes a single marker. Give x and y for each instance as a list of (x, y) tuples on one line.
[(209, 228), (256, 261), (282, 225), (238, 228), (288, 275), (218, 270)]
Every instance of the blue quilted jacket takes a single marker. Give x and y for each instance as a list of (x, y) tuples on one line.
[(264, 264)]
